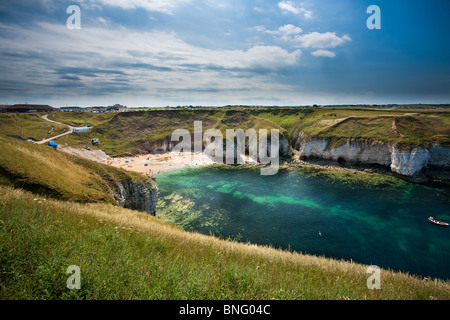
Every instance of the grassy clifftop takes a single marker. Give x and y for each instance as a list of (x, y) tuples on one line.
[(44, 170), (128, 133), (414, 128), (124, 254)]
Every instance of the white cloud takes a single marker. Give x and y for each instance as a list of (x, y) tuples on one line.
[(291, 7), (290, 29), (91, 61), (318, 40), (323, 53), (307, 14), (286, 32), (313, 40), (102, 21), (165, 6), (259, 28), (288, 6), (216, 4), (147, 47), (257, 57)]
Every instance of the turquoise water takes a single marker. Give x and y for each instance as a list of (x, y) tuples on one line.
[(385, 226)]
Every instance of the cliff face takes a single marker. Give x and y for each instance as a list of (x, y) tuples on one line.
[(416, 161), (354, 150), (407, 161), (160, 145), (164, 145), (285, 148), (140, 196)]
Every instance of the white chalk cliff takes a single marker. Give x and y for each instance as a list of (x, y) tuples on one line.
[(404, 160)]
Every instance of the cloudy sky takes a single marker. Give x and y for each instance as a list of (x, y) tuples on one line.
[(218, 52)]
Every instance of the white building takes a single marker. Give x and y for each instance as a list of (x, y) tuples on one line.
[(80, 129)]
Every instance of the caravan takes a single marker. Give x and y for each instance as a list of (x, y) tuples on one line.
[(80, 129)]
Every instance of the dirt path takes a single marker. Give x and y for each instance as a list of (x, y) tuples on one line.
[(45, 117)]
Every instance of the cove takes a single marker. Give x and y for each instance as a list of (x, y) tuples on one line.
[(382, 224)]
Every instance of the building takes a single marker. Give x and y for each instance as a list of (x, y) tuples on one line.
[(116, 108), (69, 109), (23, 108), (113, 109), (3, 107), (80, 129)]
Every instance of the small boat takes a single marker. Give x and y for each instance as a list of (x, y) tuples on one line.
[(439, 223)]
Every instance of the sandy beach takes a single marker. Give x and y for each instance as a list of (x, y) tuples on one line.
[(150, 164), (154, 164)]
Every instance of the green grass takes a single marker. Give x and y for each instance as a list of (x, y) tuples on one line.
[(132, 133), (81, 119), (29, 126), (413, 127), (42, 169), (124, 254)]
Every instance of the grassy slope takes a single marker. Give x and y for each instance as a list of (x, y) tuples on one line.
[(42, 169), (124, 254), (29, 126), (128, 133)]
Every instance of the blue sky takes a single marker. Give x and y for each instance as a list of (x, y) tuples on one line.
[(205, 52)]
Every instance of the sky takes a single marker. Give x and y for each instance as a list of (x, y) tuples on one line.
[(223, 52)]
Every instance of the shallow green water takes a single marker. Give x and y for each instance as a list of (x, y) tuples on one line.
[(385, 226)]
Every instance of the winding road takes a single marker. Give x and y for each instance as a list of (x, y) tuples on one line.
[(45, 117)]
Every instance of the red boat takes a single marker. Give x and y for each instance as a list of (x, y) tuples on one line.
[(439, 223)]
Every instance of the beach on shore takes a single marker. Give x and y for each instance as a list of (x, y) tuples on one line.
[(155, 163), (152, 164)]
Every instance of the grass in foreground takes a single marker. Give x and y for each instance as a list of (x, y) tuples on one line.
[(124, 254)]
